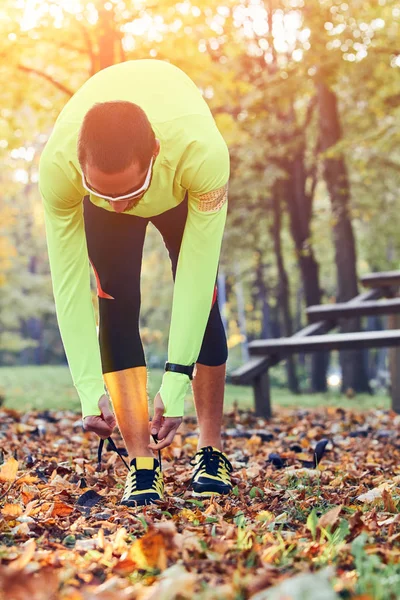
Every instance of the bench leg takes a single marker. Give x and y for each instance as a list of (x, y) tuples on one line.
[(262, 399), (394, 366)]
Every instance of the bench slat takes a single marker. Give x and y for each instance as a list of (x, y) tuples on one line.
[(340, 341), (381, 279), (343, 309), (251, 369)]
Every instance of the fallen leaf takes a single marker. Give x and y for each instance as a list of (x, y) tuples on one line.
[(374, 494), (388, 502), (89, 498), (8, 471), (26, 556), (11, 510), (329, 518), (60, 509), (148, 552), (27, 479)]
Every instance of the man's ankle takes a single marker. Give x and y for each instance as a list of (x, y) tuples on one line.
[(214, 443), (143, 454)]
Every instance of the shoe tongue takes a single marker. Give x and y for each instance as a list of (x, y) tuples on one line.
[(214, 449), (144, 462)]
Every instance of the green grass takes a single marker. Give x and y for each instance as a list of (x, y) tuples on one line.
[(50, 387)]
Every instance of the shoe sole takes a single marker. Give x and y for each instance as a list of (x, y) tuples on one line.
[(135, 503), (207, 493)]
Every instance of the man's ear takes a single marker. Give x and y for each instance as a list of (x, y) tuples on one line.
[(157, 150)]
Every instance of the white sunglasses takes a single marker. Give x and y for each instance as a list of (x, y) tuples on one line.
[(131, 196)]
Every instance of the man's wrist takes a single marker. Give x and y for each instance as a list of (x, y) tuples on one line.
[(173, 390), (189, 370)]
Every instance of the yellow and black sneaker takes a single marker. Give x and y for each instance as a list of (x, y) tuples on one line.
[(211, 473), (144, 482)]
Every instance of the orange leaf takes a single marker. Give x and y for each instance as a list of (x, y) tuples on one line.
[(11, 510), (23, 428), (60, 509), (125, 566), (27, 479), (8, 471), (388, 502), (28, 493), (149, 552)]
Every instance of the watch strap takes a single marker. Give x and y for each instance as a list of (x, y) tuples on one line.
[(185, 369)]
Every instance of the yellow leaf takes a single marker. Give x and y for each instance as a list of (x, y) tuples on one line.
[(265, 516), (11, 510), (27, 479), (188, 514), (149, 552), (8, 471), (23, 428), (303, 456)]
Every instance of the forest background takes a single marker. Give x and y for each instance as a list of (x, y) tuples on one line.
[(306, 95)]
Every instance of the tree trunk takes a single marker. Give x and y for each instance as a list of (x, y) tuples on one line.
[(241, 314), (110, 51), (260, 295), (353, 365), (299, 206), (283, 286)]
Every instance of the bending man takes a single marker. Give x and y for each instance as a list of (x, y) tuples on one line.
[(138, 143)]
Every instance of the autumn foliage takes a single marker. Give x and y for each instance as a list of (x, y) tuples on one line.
[(65, 536)]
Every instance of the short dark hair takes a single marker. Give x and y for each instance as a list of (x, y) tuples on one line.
[(115, 134)]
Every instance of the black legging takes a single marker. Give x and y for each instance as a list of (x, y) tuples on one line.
[(115, 245)]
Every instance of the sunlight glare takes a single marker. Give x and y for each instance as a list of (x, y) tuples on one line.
[(35, 9)]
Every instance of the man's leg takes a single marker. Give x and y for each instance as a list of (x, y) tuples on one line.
[(115, 244), (209, 382), (128, 392)]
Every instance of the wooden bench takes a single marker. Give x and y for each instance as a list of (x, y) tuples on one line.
[(315, 337)]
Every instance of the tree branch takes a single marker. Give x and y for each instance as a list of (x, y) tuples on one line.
[(391, 164), (49, 78)]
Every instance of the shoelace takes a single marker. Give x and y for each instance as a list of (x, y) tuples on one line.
[(210, 459), (145, 479), (115, 449)]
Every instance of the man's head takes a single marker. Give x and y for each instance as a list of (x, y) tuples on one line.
[(115, 146)]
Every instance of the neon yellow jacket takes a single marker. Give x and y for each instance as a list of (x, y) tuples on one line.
[(193, 157)]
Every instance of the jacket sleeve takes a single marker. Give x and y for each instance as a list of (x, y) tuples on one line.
[(70, 273), (196, 271)]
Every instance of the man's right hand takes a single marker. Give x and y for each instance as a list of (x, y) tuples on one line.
[(102, 424)]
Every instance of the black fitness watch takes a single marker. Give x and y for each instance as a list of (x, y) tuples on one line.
[(187, 370)]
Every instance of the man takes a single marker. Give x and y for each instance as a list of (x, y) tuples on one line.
[(138, 143)]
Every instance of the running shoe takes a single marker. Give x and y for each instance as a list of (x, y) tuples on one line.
[(144, 482), (211, 472)]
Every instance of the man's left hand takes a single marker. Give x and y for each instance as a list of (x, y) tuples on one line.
[(164, 427)]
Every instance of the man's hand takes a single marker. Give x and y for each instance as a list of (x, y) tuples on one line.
[(102, 424), (164, 427)]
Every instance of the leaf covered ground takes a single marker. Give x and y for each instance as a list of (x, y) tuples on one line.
[(315, 512)]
